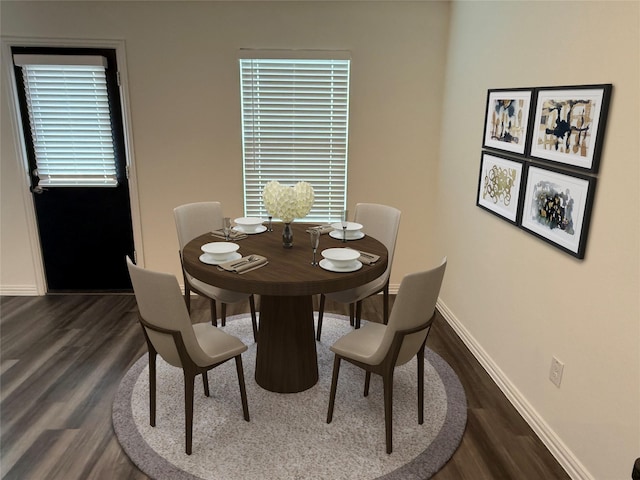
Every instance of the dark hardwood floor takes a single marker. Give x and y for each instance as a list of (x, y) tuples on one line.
[(63, 357)]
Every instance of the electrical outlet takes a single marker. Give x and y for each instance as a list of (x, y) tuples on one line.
[(555, 374)]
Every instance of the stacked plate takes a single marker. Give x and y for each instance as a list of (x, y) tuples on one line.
[(340, 260), (249, 225), (216, 253), (352, 232)]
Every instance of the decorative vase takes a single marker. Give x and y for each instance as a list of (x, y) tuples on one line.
[(287, 236)]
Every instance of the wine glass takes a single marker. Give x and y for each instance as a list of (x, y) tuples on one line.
[(314, 233), (345, 215), (226, 228)]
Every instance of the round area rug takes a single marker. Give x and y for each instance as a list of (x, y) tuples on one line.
[(288, 437)]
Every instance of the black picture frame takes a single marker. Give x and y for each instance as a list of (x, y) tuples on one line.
[(507, 120), (500, 186), (556, 207), (568, 125)]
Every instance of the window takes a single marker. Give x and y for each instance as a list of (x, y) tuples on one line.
[(69, 119), (295, 118)]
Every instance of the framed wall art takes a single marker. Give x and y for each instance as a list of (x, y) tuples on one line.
[(499, 185), (569, 124), (506, 120), (557, 207)]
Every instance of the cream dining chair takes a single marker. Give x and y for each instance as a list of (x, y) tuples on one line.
[(382, 223), (168, 330), (379, 348), (193, 220)]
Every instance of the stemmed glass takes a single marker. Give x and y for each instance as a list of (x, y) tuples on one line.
[(345, 223), (314, 233), (226, 228)]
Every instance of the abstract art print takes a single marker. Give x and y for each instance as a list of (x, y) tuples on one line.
[(557, 208), (507, 119), (569, 124), (499, 186)]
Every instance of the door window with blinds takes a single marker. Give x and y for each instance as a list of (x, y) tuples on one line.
[(295, 119), (69, 119)]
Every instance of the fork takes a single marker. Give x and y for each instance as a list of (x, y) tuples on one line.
[(249, 259)]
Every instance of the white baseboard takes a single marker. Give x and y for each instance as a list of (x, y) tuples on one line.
[(574, 468), (19, 290)]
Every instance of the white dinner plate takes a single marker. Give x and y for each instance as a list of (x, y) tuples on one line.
[(260, 229), (350, 236), (328, 265), (209, 260)]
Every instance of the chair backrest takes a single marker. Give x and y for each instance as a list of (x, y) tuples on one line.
[(195, 219), (161, 304), (382, 223), (414, 305)]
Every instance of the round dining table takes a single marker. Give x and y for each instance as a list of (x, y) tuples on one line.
[(286, 359)]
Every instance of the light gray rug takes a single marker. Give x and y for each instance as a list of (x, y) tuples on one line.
[(288, 437)]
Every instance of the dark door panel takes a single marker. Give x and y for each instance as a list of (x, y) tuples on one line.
[(85, 234)]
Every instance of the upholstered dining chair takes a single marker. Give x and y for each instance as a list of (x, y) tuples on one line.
[(379, 348), (381, 222), (168, 330), (193, 220)]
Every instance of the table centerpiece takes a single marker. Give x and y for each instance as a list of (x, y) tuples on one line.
[(287, 203)]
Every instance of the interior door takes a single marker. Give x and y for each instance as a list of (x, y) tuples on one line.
[(85, 230)]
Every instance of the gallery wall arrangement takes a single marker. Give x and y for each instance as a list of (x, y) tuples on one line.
[(540, 158)]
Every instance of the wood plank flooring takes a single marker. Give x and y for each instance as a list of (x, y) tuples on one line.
[(62, 359)]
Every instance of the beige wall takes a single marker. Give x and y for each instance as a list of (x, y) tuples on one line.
[(417, 111), (184, 91), (518, 298)]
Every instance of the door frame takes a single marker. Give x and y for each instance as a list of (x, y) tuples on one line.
[(30, 211)]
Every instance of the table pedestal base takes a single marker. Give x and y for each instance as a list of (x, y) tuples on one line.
[(289, 364)]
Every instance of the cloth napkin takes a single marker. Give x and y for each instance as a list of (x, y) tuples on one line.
[(368, 258), (233, 235), (244, 264), (323, 229)]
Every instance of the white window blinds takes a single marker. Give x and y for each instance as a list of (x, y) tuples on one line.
[(70, 119), (295, 117)]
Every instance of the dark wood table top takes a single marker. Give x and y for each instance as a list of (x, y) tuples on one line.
[(289, 272)]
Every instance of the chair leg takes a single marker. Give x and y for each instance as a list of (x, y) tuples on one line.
[(188, 410), (243, 391), (428, 332), (358, 313), (387, 382), (385, 302), (334, 386), (420, 358), (352, 314), (223, 315), (205, 383), (214, 314), (254, 321), (152, 388), (187, 296), (320, 315), (367, 381)]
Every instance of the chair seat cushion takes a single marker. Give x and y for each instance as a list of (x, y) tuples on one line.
[(218, 345), (218, 294), (361, 344)]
